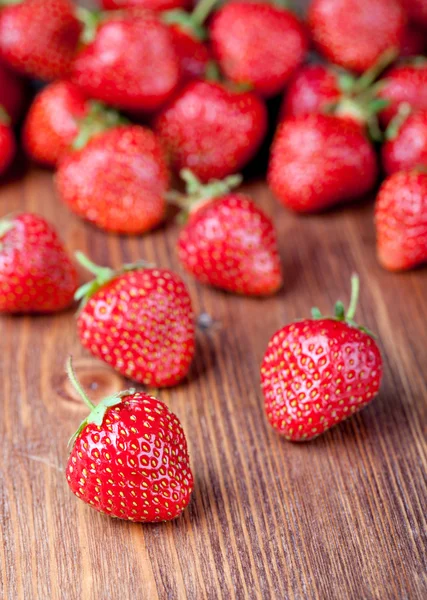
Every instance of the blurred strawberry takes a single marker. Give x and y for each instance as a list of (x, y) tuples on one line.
[(404, 83), (7, 141), (406, 141), (156, 5), (413, 41), (354, 33), (417, 10), (258, 44), (193, 54), (39, 37), (11, 93), (212, 130)]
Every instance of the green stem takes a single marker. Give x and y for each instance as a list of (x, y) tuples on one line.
[(4, 117), (76, 384), (92, 267), (355, 287), (371, 74), (202, 11)]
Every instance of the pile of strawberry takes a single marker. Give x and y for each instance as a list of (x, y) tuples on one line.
[(145, 90)]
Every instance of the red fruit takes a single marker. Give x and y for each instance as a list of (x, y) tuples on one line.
[(406, 146), (117, 181), (413, 41), (138, 321), (318, 161), (156, 5), (354, 33), (401, 221), (131, 62), (318, 372), (228, 241), (39, 37), (36, 274), (129, 458), (192, 54), (258, 44), (52, 122), (404, 83), (212, 130), (417, 10), (7, 142), (11, 94)]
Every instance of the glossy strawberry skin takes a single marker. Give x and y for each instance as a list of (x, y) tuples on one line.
[(39, 37), (52, 122), (230, 243), (354, 33), (315, 374), (258, 44), (409, 148), (117, 181), (401, 221), (155, 5), (135, 466), (36, 273), (11, 93), (7, 147), (311, 90), (404, 83), (318, 161), (141, 323), (193, 55), (212, 130), (132, 63)]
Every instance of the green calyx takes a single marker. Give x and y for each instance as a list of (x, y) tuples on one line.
[(340, 314), (99, 119), (397, 121), (103, 275), (90, 21), (4, 117), (198, 194), (4, 3), (97, 412), (186, 21)]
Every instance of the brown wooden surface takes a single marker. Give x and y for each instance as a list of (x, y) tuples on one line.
[(341, 517)]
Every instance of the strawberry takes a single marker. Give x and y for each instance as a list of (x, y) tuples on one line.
[(138, 320), (39, 37), (404, 83), (354, 33), (413, 42), (212, 130), (406, 145), (258, 44), (318, 161), (129, 60), (228, 241), (193, 55), (7, 141), (11, 93), (129, 458), (156, 5), (117, 180), (36, 274), (401, 220), (52, 121), (317, 372), (417, 10)]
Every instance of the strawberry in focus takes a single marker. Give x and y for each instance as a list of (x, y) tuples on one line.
[(117, 179), (354, 33), (406, 141), (228, 242), (7, 141), (318, 161), (11, 94), (51, 124), (212, 130), (257, 44), (36, 273), (317, 372), (401, 220), (139, 321), (39, 37), (129, 458)]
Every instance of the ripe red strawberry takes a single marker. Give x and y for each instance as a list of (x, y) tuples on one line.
[(39, 37), (7, 141), (193, 54), (406, 145), (258, 44), (212, 130), (318, 161), (117, 181), (156, 5), (413, 41), (52, 122), (11, 94), (228, 241), (354, 33), (129, 458), (130, 61), (404, 83), (138, 320), (417, 10), (36, 274), (401, 220), (318, 372)]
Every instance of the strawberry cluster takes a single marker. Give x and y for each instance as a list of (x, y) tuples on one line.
[(143, 90)]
